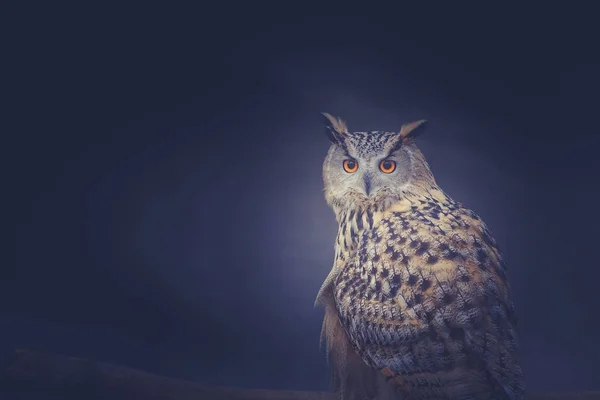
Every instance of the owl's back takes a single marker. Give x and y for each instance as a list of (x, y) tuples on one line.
[(423, 297)]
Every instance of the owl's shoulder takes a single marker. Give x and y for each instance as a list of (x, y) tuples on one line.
[(444, 238), (440, 220)]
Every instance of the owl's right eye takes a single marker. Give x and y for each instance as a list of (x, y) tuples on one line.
[(350, 166)]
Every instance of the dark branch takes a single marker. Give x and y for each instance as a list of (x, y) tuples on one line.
[(68, 376)]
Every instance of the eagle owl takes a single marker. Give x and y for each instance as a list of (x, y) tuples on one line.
[(417, 304)]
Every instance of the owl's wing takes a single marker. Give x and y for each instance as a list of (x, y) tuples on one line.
[(428, 304)]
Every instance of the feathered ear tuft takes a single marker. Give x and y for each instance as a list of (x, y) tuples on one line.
[(412, 129), (334, 127), (405, 136)]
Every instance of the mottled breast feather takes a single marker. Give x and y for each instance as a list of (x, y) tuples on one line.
[(423, 296)]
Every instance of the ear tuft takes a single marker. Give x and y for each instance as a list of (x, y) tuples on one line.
[(412, 130), (334, 127)]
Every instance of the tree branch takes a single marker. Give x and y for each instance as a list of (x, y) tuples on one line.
[(65, 376)]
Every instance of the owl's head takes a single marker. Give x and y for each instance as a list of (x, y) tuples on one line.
[(374, 168)]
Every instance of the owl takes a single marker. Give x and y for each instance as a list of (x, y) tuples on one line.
[(417, 304)]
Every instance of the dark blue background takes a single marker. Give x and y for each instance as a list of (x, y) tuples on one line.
[(162, 191)]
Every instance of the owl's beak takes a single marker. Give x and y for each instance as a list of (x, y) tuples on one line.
[(367, 181)]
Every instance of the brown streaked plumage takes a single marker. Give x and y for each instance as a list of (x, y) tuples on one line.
[(418, 295)]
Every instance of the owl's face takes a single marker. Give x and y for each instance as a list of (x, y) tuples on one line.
[(368, 168)]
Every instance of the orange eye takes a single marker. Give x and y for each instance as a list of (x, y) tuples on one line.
[(350, 166), (387, 166)]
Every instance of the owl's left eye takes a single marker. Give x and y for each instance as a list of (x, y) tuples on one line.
[(350, 166), (387, 166)]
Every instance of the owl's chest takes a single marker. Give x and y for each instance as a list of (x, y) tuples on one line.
[(370, 239), (393, 263), (369, 257)]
